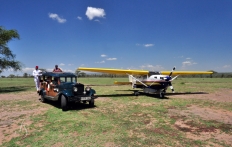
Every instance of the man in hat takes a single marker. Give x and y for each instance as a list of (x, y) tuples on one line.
[(36, 73), (57, 69)]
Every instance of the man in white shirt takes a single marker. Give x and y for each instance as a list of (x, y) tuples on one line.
[(36, 73)]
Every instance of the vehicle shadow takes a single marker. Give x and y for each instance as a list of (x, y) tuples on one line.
[(13, 89), (71, 106)]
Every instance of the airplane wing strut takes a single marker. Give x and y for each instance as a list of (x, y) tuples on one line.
[(136, 79)]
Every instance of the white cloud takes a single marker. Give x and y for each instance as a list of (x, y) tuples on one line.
[(70, 64), (78, 17), (95, 12), (56, 17), (137, 44), (27, 69), (49, 69), (188, 58), (148, 45), (62, 64), (103, 55), (188, 63), (151, 67), (100, 62), (67, 70), (111, 59), (226, 66)]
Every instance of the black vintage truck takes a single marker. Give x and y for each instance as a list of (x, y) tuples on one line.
[(63, 87)]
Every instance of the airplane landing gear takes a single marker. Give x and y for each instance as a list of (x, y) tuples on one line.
[(162, 94), (136, 93)]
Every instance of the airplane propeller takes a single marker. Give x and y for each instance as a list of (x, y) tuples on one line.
[(169, 79), (172, 71)]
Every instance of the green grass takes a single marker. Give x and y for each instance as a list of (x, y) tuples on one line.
[(118, 118), (8, 85)]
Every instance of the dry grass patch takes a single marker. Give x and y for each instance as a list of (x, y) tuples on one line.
[(216, 123), (202, 132)]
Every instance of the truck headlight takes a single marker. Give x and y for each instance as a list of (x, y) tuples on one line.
[(75, 89)]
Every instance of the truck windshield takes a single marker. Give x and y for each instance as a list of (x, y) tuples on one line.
[(67, 79)]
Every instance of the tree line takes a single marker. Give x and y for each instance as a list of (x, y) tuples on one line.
[(85, 75)]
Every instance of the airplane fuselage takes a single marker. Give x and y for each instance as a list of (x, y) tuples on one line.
[(157, 82)]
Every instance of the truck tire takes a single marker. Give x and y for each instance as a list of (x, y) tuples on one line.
[(42, 98), (64, 103), (91, 103)]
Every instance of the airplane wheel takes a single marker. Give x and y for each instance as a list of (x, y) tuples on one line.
[(161, 95), (136, 93)]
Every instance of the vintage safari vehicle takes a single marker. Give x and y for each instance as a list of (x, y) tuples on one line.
[(63, 87)]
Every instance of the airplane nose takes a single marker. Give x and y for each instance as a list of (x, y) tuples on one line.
[(168, 78)]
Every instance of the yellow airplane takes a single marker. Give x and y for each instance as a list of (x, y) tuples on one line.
[(148, 81)]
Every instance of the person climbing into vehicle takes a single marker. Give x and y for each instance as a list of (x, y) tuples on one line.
[(48, 82), (57, 69)]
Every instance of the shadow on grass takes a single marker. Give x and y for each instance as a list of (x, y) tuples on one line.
[(13, 89), (132, 94), (149, 95), (71, 106), (186, 93)]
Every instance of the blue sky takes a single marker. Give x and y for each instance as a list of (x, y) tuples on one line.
[(132, 34)]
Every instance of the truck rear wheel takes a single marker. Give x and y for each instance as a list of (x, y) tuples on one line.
[(42, 98), (64, 103)]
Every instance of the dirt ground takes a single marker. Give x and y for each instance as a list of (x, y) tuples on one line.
[(15, 120), (199, 132)]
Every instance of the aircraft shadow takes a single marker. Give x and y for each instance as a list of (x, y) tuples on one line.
[(150, 95), (71, 107), (186, 93), (132, 95)]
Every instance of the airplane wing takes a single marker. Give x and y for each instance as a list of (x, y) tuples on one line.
[(115, 71), (186, 72), (141, 72)]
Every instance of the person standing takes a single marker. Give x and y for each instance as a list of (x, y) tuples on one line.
[(57, 69), (36, 73)]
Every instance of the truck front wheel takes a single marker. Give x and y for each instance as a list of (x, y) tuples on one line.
[(91, 103), (64, 103)]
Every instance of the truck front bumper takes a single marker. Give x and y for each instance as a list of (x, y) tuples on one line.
[(81, 98)]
